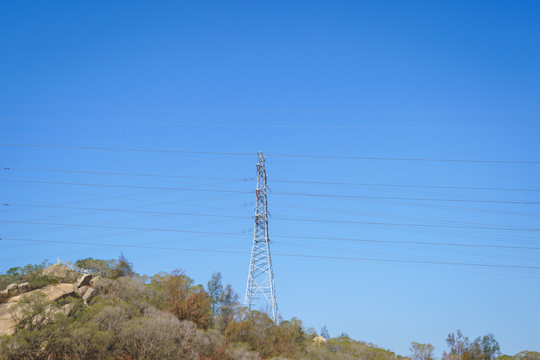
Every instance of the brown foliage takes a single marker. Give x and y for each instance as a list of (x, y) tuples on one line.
[(188, 302), (197, 308)]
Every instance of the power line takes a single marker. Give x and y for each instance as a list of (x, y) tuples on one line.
[(210, 109), (524, 267), (128, 149), (364, 213), (273, 180), (411, 225), (126, 186), (262, 125), (402, 185), (122, 228), (465, 264), (132, 174), (479, 225), (277, 236), (128, 211), (402, 159), (334, 196), (395, 202), (333, 157), (400, 242), (123, 245)]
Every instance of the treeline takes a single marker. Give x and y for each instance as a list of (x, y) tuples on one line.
[(168, 316)]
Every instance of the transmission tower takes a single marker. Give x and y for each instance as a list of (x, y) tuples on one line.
[(261, 276)]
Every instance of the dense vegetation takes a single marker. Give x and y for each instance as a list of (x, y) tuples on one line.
[(168, 316)]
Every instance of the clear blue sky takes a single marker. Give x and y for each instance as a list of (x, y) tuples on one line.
[(419, 79)]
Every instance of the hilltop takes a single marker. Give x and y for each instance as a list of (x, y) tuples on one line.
[(113, 313)]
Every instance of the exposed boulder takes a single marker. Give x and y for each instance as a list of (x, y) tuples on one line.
[(84, 280), (61, 272), (23, 288), (68, 309), (89, 295), (12, 289), (48, 315), (96, 281), (83, 289), (6, 321), (51, 292)]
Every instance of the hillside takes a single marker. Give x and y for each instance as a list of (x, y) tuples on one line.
[(52, 311)]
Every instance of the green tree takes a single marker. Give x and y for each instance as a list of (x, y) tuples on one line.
[(422, 351), (347, 348), (255, 330), (123, 267), (463, 349), (288, 337), (527, 355), (324, 333), (490, 347), (103, 267), (215, 290), (228, 309)]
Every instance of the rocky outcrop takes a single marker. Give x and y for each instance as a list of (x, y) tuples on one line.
[(68, 309), (89, 295), (60, 272), (23, 288), (6, 322), (84, 280), (12, 289), (96, 281), (14, 293), (52, 293), (83, 289)]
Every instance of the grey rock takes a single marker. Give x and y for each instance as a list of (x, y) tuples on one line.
[(89, 295), (3, 296), (61, 273), (84, 280), (51, 292), (95, 280), (23, 288), (83, 290), (68, 309), (12, 289)]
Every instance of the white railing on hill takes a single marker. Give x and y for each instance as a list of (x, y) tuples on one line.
[(75, 268)]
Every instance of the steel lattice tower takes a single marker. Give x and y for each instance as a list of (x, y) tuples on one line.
[(261, 276)]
